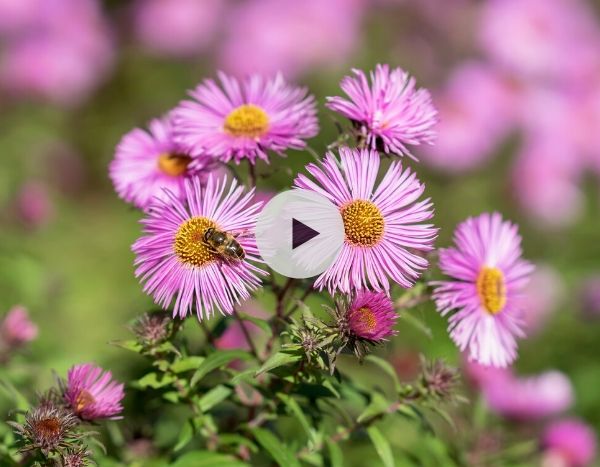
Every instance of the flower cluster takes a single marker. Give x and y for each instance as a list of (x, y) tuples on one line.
[(53, 426)]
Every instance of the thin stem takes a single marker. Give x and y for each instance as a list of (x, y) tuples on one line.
[(246, 333), (306, 293), (281, 297), (209, 337)]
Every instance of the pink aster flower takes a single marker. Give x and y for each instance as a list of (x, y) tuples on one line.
[(569, 443), (92, 394), (391, 113), (246, 119), (371, 316), (176, 27), (147, 163), (383, 224), (175, 262), (16, 328), (529, 398), (489, 274)]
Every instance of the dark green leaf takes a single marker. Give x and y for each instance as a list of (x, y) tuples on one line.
[(218, 360), (378, 406), (207, 459), (387, 368)]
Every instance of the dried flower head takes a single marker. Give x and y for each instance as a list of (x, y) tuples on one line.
[(153, 328), (439, 380), (76, 457), (47, 427)]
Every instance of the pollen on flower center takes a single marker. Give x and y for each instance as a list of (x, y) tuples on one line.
[(190, 247), (247, 120), (173, 164), (491, 289), (84, 399), (363, 223), (364, 320)]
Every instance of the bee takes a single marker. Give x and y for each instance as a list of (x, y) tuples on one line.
[(224, 244)]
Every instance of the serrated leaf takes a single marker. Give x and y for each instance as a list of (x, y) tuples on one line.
[(382, 446), (336, 457), (152, 380), (207, 459), (217, 360), (279, 359), (378, 405), (186, 364), (387, 368), (283, 455), (214, 397)]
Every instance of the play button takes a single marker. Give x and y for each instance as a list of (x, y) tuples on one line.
[(299, 233)]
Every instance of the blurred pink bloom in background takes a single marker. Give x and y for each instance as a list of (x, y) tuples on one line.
[(529, 398), (590, 296), (233, 337), (16, 328), (33, 205), (177, 27), (545, 179), (476, 109), (539, 38), (267, 36), (569, 443), (541, 297), (61, 56), (481, 375)]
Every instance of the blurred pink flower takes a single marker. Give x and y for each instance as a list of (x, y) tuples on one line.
[(529, 398), (64, 55), (233, 337), (569, 443), (540, 38), (545, 181), (267, 36), (541, 297), (590, 296), (176, 27), (481, 375), (476, 111), (33, 205), (16, 328), (17, 15)]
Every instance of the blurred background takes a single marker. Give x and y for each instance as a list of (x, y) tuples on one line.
[(517, 84)]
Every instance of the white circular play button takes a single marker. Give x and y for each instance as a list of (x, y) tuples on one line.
[(299, 233)]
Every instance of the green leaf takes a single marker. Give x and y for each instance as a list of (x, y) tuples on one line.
[(379, 405), (381, 446), (336, 458), (276, 449), (279, 359), (214, 397), (387, 368), (152, 380), (132, 345), (216, 360), (207, 459), (185, 436), (186, 364), (295, 410)]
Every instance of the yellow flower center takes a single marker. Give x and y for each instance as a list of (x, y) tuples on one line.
[(84, 399), (491, 289), (173, 164), (363, 223), (190, 247), (365, 319), (248, 120)]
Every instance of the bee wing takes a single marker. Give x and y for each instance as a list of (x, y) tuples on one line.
[(241, 233)]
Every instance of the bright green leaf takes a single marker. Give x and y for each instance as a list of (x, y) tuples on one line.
[(382, 446), (152, 380), (279, 359), (336, 458), (276, 449), (214, 397), (207, 459), (186, 364)]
